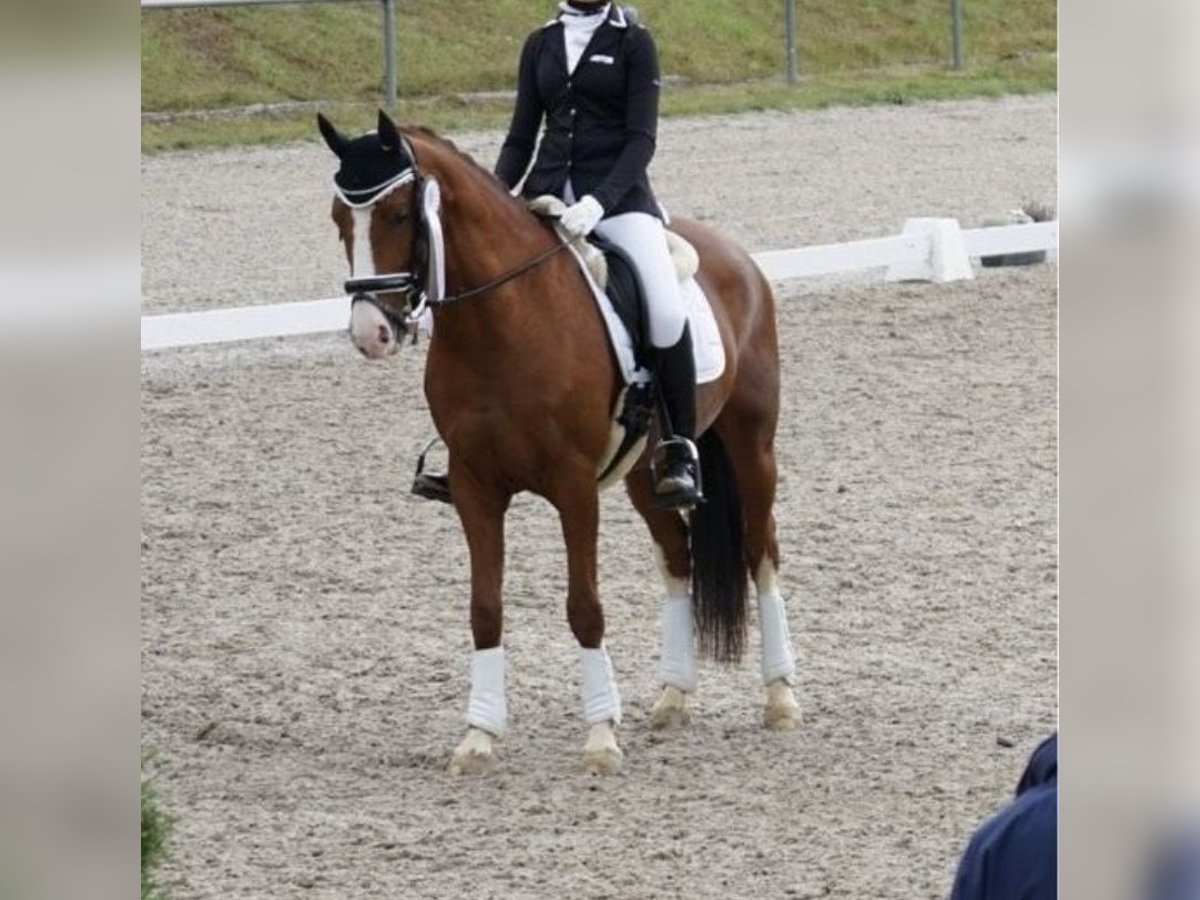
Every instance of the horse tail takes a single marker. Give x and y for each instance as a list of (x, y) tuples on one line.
[(718, 559)]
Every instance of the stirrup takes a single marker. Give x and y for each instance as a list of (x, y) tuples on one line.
[(432, 487), (428, 485), (672, 492)]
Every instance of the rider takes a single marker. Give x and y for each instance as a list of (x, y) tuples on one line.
[(592, 73)]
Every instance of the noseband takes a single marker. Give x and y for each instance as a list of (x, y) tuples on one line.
[(412, 284)]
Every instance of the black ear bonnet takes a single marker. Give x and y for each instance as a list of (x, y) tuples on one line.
[(371, 164)]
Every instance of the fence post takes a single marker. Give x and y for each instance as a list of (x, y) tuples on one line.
[(956, 27), (389, 52), (789, 16)]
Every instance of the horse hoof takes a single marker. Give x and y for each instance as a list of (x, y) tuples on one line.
[(671, 710), (782, 712), (601, 755), (603, 762), (474, 755)]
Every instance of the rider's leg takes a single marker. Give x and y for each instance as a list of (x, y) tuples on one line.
[(643, 238)]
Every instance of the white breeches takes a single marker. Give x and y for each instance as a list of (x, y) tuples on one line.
[(642, 236)]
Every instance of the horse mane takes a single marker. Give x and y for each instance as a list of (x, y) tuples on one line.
[(478, 172)]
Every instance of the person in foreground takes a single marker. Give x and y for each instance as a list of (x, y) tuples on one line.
[(1014, 855), (592, 74)]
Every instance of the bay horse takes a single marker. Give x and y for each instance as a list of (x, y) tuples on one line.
[(523, 386)]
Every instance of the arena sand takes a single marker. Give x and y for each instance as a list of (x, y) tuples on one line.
[(304, 620)]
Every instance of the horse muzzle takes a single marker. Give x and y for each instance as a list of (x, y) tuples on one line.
[(376, 327)]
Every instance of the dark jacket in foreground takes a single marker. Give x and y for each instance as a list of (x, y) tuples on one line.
[(1014, 856), (601, 120)]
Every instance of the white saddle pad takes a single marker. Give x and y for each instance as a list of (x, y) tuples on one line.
[(706, 337)]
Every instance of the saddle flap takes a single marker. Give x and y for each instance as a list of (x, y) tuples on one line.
[(621, 308)]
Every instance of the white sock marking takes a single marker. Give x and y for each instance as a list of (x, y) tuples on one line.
[(601, 702), (487, 708), (677, 664), (778, 659)]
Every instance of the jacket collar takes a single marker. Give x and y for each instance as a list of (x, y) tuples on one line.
[(616, 17)]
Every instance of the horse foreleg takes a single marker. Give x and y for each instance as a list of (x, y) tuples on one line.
[(579, 509), (677, 662), (481, 510)]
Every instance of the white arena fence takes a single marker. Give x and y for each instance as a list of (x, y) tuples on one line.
[(928, 250)]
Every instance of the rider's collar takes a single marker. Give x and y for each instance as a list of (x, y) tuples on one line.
[(616, 17)]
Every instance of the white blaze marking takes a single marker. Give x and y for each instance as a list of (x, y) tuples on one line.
[(365, 320), (362, 257)]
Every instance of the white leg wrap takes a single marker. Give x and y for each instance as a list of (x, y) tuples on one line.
[(601, 702), (487, 709), (778, 661), (677, 667)]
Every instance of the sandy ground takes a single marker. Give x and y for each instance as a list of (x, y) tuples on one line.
[(305, 645)]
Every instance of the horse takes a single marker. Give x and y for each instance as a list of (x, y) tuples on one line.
[(523, 385)]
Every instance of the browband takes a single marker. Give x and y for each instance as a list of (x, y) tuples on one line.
[(357, 199)]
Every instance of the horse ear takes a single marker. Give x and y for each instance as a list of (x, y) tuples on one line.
[(389, 134), (333, 138)]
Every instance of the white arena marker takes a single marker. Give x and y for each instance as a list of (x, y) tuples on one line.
[(244, 323), (828, 259), (1004, 239), (945, 258), (929, 250)]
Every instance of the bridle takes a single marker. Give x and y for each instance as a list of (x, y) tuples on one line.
[(412, 284)]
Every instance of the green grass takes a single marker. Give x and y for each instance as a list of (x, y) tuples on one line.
[(156, 827), (726, 52)]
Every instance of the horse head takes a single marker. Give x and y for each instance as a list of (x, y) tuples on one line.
[(376, 207)]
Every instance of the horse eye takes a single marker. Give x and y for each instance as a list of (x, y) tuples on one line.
[(398, 218)]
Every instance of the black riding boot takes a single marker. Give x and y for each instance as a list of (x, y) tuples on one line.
[(678, 486)]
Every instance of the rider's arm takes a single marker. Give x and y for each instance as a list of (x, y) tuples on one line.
[(527, 118), (641, 119)]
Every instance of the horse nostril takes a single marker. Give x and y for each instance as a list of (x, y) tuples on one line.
[(384, 334)]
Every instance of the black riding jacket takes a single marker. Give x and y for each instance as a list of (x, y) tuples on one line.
[(601, 120)]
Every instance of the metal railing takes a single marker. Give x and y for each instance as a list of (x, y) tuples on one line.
[(389, 28), (791, 53)]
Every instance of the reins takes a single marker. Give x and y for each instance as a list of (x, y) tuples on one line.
[(411, 283), (506, 277)]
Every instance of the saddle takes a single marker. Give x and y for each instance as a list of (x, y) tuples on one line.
[(614, 272)]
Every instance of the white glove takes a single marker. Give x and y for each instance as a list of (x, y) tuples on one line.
[(582, 217)]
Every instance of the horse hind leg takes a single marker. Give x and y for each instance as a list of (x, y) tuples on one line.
[(677, 663), (751, 450), (781, 712)]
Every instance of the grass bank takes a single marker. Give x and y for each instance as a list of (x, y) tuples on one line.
[(156, 827), (720, 56)]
